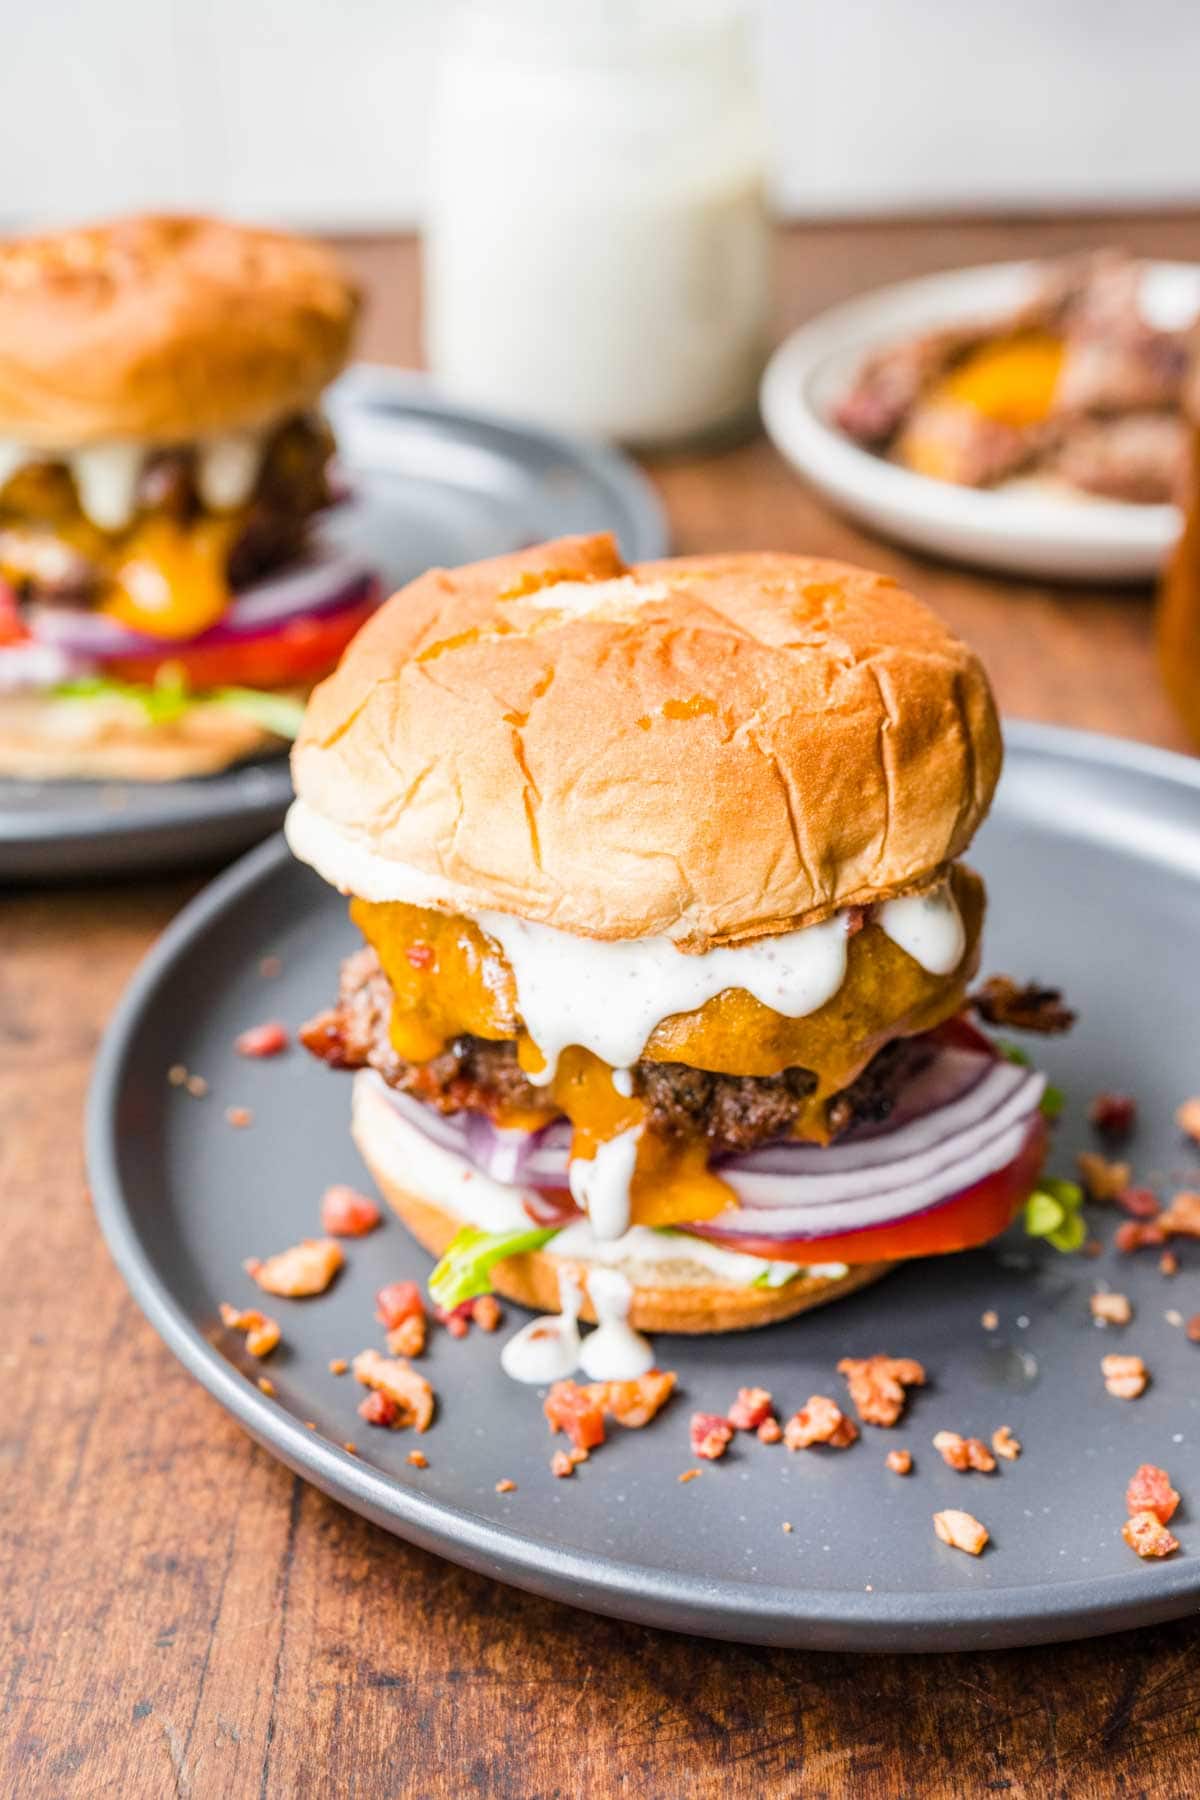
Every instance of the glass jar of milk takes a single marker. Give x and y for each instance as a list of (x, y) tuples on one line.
[(597, 251)]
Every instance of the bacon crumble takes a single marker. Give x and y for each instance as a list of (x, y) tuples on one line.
[(486, 1312), (506, 1486), (580, 1411), (964, 1453), (1146, 1534), (262, 1332), (1187, 1117), (961, 1530), (690, 1475), (1125, 1377), (418, 1459), (1192, 1329), (752, 1408), (347, 1213), (410, 1393), (709, 1435), (900, 1462), (770, 1431), (1102, 1180), (878, 1385), (1024, 1007), (820, 1421), (299, 1272), (1150, 1491), (262, 1040), (1005, 1444), (1182, 1217), (1139, 1203), (1168, 1263), (1135, 1236), (1111, 1309), (239, 1117)]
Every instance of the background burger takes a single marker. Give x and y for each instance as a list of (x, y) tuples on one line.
[(161, 462), (668, 945)]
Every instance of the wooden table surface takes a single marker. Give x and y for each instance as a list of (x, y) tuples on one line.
[(181, 1616)]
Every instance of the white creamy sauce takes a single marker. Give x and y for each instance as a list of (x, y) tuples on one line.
[(107, 476), (927, 927), (608, 995), (600, 1184), (548, 1349), (622, 1080), (614, 1351)]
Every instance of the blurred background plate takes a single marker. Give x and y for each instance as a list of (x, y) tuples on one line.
[(1092, 858), (431, 484), (1018, 532)]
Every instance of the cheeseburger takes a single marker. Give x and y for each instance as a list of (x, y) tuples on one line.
[(162, 458), (667, 940)]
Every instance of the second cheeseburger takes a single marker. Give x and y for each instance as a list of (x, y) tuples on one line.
[(667, 939)]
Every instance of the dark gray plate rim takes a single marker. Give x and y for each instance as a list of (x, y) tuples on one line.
[(720, 1608)]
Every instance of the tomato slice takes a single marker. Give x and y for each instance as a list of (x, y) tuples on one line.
[(302, 650), (979, 1213)]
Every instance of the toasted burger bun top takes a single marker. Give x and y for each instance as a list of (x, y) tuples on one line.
[(711, 748), (164, 329)]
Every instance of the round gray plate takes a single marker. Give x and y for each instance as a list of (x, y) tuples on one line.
[(1092, 856), (432, 485)]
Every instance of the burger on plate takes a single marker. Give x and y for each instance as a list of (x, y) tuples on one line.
[(163, 611), (667, 940)]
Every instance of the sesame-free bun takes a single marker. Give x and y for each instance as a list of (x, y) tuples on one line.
[(164, 329), (683, 1296), (44, 737), (713, 747)]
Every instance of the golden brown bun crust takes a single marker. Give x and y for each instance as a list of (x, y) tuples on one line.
[(43, 739), (165, 329), (755, 743), (532, 1279)]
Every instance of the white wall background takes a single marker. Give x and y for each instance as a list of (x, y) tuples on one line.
[(313, 111)]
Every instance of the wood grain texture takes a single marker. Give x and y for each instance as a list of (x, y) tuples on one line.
[(181, 1616)]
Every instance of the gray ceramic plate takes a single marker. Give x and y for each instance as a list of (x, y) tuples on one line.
[(1093, 861), (432, 485)]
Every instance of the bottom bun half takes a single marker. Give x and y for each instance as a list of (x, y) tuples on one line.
[(679, 1296), (44, 737)]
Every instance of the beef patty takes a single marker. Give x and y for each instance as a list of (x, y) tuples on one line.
[(733, 1112)]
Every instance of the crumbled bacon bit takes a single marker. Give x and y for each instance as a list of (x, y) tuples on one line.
[(262, 1040), (262, 1333), (964, 1453), (408, 1338), (1102, 1180), (378, 1409), (1002, 1001), (1134, 1236), (1182, 1217), (1005, 1444), (1150, 1491), (1091, 1247), (267, 1386), (270, 967), (1111, 1309), (486, 1312), (347, 1213), (709, 1435), (1192, 1329), (506, 1486), (1113, 1115), (196, 1086), (338, 1366), (690, 1475), (177, 1075), (751, 1409), (305, 1269), (899, 1462), (575, 1410), (786, 1526), (410, 1392), (350, 1447), (421, 956), (561, 1464), (398, 1301), (634, 1403), (990, 1320), (418, 1459), (239, 1117), (1139, 1202), (877, 1385), (961, 1530), (821, 1421), (1187, 1117), (769, 1432), (1148, 1535), (1168, 1263), (457, 1319), (1125, 1377)]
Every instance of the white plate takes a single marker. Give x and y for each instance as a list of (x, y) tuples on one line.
[(1017, 531)]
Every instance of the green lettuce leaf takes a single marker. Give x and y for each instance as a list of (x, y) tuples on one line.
[(1053, 1211), (463, 1272), (168, 697)]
